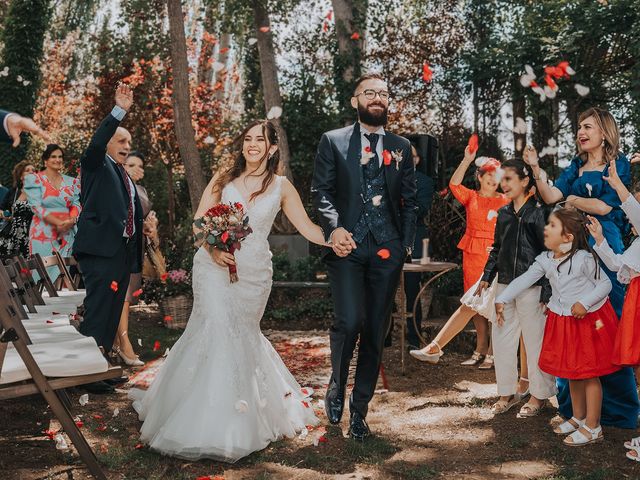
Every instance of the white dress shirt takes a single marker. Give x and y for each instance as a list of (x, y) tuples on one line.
[(365, 141), (574, 282), (627, 264)]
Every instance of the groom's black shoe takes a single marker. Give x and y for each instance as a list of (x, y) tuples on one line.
[(334, 402), (358, 428)]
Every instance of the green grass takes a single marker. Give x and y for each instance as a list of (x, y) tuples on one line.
[(409, 471)]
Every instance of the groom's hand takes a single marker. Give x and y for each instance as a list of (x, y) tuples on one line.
[(342, 242)]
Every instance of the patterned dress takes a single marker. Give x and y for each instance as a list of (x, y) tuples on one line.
[(14, 239), (44, 199)]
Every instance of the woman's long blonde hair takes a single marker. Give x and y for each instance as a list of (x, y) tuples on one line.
[(605, 121)]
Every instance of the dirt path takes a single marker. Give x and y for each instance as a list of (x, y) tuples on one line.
[(434, 422)]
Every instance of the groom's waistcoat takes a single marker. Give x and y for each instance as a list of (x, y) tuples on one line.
[(376, 215)]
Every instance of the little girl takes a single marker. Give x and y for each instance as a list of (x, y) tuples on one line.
[(518, 239), (626, 350), (581, 323)]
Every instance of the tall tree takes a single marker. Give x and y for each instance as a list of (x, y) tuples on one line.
[(270, 82), (350, 19), (25, 25), (185, 134)]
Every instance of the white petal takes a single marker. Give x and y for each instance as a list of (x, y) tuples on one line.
[(570, 71), (116, 412), (549, 92), (140, 342), (582, 90), (61, 443), (589, 188), (520, 126), (242, 406), (19, 78), (252, 41), (544, 152), (491, 214), (552, 142), (166, 352), (529, 70), (525, 80), (376, 200), (84, 399), (217, 66), (274, 112), (209, 140)]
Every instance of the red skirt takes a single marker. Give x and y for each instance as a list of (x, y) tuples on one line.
[(626, 350), (579, 348)]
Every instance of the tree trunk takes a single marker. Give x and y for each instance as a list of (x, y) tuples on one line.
[(270, 83), (223, 58), (349, 18), (205, 69), (171, 198), (185, 133)]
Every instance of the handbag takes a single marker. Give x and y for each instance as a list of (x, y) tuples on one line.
[(154, 265)]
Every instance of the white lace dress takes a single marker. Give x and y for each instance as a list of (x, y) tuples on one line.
[(223, 391)]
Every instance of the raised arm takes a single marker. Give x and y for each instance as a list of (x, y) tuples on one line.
[(547, 193), (93, 156), (458, 175), (520, 284), (295, 212), (13, 125)]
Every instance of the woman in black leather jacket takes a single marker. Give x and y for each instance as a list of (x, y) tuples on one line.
[(518, 239)]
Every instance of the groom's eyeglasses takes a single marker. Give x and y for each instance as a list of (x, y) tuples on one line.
[(370, 94)]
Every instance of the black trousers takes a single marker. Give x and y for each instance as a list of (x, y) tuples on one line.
[(103, 305), (363, 286)]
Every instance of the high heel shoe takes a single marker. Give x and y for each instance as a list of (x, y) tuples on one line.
[(131, 362), (423, 356)]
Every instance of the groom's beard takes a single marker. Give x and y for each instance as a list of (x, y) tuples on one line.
[(370, 118)]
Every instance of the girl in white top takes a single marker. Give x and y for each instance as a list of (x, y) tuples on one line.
[(626, 349), (581, 323)]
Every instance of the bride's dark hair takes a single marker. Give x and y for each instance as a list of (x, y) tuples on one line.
[(240, 163)]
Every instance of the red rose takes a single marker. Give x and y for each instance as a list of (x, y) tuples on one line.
[(386, 157), (224, 237)]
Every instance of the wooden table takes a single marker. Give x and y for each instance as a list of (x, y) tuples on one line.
[(402, 314)]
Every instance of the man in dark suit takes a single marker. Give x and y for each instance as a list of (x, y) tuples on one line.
[(364, 189), (108, 244)]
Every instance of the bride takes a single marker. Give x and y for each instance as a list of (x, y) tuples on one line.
[(223, 391)]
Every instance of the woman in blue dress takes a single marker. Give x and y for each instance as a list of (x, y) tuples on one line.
[(582, 185)]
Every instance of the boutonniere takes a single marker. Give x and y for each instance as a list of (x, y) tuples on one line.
[(396, 155), (367, 155)]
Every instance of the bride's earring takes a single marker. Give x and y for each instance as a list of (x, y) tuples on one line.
[(602, 143), (565, 247)]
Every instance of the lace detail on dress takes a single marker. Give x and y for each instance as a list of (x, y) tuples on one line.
[(222, 392)]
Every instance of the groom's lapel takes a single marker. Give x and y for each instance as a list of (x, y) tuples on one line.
[(390, 171), (354, 154)]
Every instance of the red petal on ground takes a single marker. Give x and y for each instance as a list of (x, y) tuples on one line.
[(156, 346)]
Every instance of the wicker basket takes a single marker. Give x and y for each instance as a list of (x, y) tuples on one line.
[(176, 310)]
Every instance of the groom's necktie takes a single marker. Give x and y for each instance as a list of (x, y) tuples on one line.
[(125, 178), (372, 166)]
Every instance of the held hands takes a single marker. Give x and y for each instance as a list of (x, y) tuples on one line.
[(469, 157), (530, 156), (614, 179), (124, 96), (222, 258), (17, 124), (578, 310), (635, 158), (595, 229), (66, 225), (500, 314), (342, 242), (481, 286)]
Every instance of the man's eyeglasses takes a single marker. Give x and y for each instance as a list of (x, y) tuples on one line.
[(370, 94)]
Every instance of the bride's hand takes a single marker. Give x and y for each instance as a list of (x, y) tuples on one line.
[(222, 258)]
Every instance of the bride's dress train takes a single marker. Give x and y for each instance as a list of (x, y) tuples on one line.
[(223, 391)]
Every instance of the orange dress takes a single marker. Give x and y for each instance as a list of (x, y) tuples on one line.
[(482, 214)]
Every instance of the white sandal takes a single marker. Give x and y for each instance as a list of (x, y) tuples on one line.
[(423, 356), (579, 439), (633, 444), (502, 406), (568, 426), (636, 457)]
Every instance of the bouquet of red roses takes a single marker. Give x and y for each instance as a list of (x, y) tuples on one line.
[(224, 226)]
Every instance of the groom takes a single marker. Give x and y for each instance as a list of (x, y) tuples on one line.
[(364, 189)]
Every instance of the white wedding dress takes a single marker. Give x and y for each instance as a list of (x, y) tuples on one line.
[(223, 391)]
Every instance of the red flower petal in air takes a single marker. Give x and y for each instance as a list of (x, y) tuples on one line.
[(167, 318), (550, 82), (156, 346), (329, 15), (533, 84), (137, 293), (427, 73), (114, 286), (384, 253), (473, 143), (164, 277), (386, 157), (355, 36), (325, 27), (264, 29), (224, 237)]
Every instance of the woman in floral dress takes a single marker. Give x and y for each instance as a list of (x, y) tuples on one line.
[(14, 237)]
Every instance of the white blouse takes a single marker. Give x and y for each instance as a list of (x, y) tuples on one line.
[(627, 264), (574, 282)]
